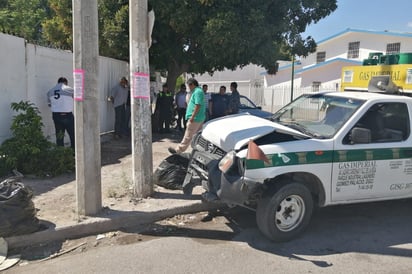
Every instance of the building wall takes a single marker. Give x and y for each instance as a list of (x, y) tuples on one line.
[(337, 47), (13, 87), (28, 71)]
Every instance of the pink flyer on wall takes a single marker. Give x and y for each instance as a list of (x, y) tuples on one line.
[(78, 76), (141, 85)]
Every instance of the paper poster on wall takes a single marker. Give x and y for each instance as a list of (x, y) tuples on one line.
[(141, 85), (78, 76)]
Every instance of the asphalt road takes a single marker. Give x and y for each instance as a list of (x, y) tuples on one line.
[(362, 238)]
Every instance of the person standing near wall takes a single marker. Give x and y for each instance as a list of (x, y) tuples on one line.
[(195, 116), (60, 100), (119, 95)]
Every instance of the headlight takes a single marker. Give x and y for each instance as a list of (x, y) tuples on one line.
[(227, 161)]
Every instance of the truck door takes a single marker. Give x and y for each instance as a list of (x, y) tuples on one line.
[(373, 158)]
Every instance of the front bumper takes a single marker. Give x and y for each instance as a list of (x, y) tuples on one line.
[(231, 187)]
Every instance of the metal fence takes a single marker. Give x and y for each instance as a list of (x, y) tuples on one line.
[(270, 99)]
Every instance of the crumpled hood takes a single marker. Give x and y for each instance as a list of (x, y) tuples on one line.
[(234, 131)]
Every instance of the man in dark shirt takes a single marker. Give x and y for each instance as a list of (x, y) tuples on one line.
[(234, 102), (164, 105), (219, 103)]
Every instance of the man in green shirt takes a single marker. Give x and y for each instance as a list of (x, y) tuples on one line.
[(195, 116)]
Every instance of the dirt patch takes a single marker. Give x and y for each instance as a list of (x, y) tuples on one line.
[(55, 198)]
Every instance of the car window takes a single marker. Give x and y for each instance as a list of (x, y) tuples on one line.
[(383, 122), (246, 103), (318, 115)]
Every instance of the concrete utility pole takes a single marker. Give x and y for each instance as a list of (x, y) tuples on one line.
[(293, 78), (87, 118), (141, 109)]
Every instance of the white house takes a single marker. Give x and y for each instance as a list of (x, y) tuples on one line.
[(322, 69)]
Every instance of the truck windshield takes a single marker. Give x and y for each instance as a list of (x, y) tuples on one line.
[(318, 115)]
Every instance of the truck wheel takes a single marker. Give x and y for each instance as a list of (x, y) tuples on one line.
[(285, 214)]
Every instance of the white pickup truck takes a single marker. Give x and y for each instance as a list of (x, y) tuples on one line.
[(322, 149)]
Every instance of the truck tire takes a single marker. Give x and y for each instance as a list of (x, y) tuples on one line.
[(285, 214)]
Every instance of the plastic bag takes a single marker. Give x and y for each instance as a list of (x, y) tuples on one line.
[(17, 211), (172, 171)]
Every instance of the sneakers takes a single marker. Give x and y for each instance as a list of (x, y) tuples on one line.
[(210, 197), (172, 150)]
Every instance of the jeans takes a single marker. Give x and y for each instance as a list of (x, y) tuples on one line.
[(64, 121), (120, 120), (181, 113)]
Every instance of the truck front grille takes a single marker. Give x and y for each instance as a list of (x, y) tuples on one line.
[(205, 145)]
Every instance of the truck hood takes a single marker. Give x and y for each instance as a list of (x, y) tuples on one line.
[(234, 131)]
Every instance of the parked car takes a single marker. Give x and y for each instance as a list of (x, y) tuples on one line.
[(247, 106), (322, 149)]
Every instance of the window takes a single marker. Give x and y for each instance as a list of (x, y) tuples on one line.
[(393, 48), (383, 122), (409, 76), (348, 76), (320, 57), (316, 86), (353, 50)]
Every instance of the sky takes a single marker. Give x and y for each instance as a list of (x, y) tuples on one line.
[(377, 15)]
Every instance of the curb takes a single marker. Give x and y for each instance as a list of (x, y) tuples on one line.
[(96, 225)]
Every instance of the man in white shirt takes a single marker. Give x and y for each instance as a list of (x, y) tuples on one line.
[(208, 97), (119, 95), (60, 100)]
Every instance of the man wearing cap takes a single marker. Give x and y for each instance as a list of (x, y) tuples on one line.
[(119, 95), (60, 100)]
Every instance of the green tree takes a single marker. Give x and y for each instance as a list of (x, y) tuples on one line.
[(211, 35), (194, 36), (23, 17), (114, 29), (57, 30)]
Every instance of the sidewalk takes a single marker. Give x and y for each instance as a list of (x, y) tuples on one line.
[(55, 198)]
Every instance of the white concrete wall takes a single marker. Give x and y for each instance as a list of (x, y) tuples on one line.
[(28, 71), (13, 87)]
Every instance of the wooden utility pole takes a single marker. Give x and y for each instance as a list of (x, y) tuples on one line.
[(140, 99), (87, 121)]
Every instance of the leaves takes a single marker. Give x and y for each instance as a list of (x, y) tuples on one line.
[(195, 36), (23, 17), (28, 150)]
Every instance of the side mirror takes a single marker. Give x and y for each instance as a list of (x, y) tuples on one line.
[(360, 135), (259, 107)]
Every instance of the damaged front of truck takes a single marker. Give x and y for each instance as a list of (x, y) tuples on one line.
[(234, 157)]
